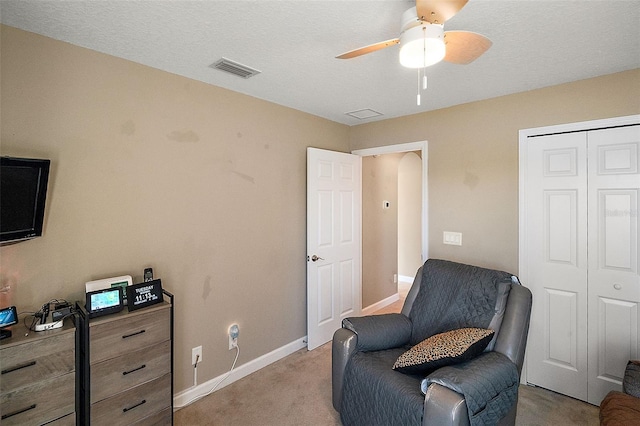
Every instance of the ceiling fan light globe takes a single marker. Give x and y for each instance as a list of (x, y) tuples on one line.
[(422, 46)]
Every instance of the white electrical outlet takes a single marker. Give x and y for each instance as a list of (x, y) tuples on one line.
[(196, 355), (234, 332), (452, 238)]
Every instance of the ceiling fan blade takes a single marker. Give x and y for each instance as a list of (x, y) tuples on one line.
[(464, 47), (438, 11), (368, 49)]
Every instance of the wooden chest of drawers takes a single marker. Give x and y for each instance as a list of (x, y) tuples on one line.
[(126, 376), (38, 380)]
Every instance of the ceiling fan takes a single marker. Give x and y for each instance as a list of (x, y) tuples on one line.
[(423, 41)]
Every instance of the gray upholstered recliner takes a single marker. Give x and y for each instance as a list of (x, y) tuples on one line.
[(444, 296)]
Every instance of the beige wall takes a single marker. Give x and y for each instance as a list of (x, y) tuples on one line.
[(384, 229), (473, 158), (409, 214), (379, 227), (205, 185)]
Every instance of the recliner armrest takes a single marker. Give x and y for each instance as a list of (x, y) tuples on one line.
[(488, 383), (443, 406), (368, 333), (378, 332), (343, 347)]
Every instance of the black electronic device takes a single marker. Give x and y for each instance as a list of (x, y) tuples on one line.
[(61, 311), (148, 275), (8, 317), (144, 294), (23, 185), (44, 313), (104, 302)]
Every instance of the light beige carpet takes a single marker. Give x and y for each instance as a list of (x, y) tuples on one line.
[(296, 391)]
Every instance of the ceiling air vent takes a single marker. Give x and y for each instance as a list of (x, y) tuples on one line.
[(234, 68), (363, 114)]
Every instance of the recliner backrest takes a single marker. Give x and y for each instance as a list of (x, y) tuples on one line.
[(448, 295)]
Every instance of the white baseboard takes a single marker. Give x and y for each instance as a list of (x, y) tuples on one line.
[(405, 279), (381, 304), (189, 395)]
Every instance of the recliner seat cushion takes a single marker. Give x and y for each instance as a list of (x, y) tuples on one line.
[(374, 394)]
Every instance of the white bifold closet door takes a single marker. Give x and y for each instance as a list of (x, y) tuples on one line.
[(613, 250), (582, 249)]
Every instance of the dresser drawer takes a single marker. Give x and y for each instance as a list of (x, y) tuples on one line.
[(163, 418), (68, 420), (110, 339), (38, 360), (134, 404), (39, 403), (126, 371)]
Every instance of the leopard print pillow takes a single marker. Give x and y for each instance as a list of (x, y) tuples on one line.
[(442, 349)]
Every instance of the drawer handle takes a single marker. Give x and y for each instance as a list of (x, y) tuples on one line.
[(15, 413), (18, 367), (124, 373), (124, 410), (133, 334)]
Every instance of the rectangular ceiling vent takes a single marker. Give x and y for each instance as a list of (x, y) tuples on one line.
[(234, 68), (364, 114)]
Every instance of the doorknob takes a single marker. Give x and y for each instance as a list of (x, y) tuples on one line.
[(315, 258)]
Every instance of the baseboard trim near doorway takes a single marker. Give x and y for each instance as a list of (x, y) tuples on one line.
[(192, 394), (381, 304)]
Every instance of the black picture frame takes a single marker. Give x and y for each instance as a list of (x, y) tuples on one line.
[(97, 311), (144, 294)]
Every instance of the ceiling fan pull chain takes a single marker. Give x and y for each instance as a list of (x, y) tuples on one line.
[(418, 97), (424, 82)]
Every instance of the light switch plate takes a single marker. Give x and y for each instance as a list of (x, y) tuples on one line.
[(452, 238)]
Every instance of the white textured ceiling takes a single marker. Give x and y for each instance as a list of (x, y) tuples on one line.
[(294, 43)]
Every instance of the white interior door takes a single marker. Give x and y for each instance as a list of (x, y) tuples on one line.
[(614, 234), (556, 231), (334, 203)]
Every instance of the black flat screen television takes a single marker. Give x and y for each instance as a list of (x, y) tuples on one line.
[(23, 192)]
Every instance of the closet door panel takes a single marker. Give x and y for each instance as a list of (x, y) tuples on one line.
[(556, 235), (613, 238)]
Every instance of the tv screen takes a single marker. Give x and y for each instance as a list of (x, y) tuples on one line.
[(23, 192), (8, 317)]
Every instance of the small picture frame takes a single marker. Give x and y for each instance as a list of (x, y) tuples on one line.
[(144, 294)]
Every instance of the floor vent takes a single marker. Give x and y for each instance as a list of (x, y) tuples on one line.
[(234, 68)]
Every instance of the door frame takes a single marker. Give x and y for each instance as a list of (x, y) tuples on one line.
[(523, 178), (422, 146)]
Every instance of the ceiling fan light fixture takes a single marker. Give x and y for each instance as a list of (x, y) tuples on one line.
[(422, 45)]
